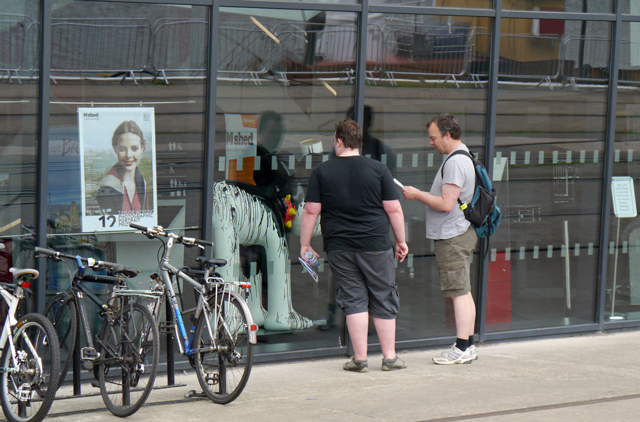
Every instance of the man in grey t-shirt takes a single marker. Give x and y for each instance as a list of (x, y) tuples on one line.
[(454, 237)]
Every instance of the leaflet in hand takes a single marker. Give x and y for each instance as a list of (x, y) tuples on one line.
[(309, 268)]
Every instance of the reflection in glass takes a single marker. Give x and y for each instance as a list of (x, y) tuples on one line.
[(622, 301), (18, 134), (573, 6), (418, 67), (550, 132), (140, 63), (476, 4), (285, 78)]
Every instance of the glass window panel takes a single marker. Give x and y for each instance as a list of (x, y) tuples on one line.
[(283, 84), (573, 6), (286, 15), (550, 129), (476, 4), (417, 67), (622, 299), (18, 134), (127, 123)]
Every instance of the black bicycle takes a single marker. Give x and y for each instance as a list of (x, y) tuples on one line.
[(124, 356)]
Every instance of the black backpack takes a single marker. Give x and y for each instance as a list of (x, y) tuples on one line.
[(483, 211)]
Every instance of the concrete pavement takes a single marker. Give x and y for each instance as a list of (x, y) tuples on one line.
[(593, 377)]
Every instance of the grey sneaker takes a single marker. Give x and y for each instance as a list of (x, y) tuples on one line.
[(392, 365), (473, 352), (452, 356), (356, 365)]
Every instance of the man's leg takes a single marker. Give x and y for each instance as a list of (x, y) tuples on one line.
[(386, 330), (464, 310), (358, 325)]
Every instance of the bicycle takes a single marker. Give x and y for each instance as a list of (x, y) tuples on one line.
[(223, 333), (30, 357), (128, 346)]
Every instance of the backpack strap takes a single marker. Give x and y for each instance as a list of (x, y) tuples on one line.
[(461, 152)]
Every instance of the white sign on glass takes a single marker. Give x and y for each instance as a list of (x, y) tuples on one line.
[(624, 198)]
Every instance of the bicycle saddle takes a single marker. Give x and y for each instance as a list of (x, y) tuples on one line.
[(213, 262), (17, 272), (127, 272)]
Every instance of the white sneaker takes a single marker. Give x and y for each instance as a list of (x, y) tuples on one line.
[(452, 356), (473, 352)]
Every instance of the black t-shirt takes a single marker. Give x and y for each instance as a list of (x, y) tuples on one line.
[(351, 191)]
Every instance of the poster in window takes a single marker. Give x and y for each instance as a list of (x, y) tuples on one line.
[(118, 167)]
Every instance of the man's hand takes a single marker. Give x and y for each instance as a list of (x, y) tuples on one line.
[(401, 250), (304, 249), (411, 193)]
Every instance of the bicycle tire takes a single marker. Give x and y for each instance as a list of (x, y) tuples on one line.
[(223, 373), (129, 354), (24, 404), (62, 312)]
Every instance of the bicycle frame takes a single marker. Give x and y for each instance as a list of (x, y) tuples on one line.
[(185, 343), (13, 300)]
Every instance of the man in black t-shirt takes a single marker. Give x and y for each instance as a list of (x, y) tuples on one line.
[(358, 200)]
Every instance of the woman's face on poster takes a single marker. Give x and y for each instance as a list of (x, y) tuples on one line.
[(129, 150)]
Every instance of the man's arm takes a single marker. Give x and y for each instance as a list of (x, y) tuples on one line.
[(396, 218), (309, 219), (446, 202)]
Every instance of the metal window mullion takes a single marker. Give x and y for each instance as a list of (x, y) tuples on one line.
[(429, 10), (533, 14), (338, 7), (210, 126), (361, 63), (608, 164), (492, 106), (170, 2), (44, 96)]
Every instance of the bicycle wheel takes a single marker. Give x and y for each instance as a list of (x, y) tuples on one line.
[(35, 366), (224, 370), (129, 353), (62, 312)]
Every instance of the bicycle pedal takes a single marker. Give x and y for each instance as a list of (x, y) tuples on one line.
[(89, 353)]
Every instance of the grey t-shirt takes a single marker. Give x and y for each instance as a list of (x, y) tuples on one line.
[(458, 171)]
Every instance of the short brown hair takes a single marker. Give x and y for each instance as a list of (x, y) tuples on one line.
[(350, 133), (447, 124)]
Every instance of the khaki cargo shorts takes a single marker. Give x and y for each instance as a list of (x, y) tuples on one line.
[(454, 262)]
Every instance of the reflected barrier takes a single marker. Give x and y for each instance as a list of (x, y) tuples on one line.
[(324, 50), (242, 53), (426, 51), (585, 60), (179, 45), (12, 43), (167, 48)]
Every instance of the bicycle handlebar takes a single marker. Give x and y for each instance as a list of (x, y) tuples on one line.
[(152, 232), (94, 264)]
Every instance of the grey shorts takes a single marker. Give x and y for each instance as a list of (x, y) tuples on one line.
[(454, 262), (365, 282)]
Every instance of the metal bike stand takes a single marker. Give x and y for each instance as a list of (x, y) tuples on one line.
[(165, 328)]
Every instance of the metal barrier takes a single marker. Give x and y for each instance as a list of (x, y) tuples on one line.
[(179, 46), (479, 60), (374, 65), (522, 57), (421, 51), (317, 49), (78, 46), (12, 38), (629, 73), (243, 51), (594, 65)]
